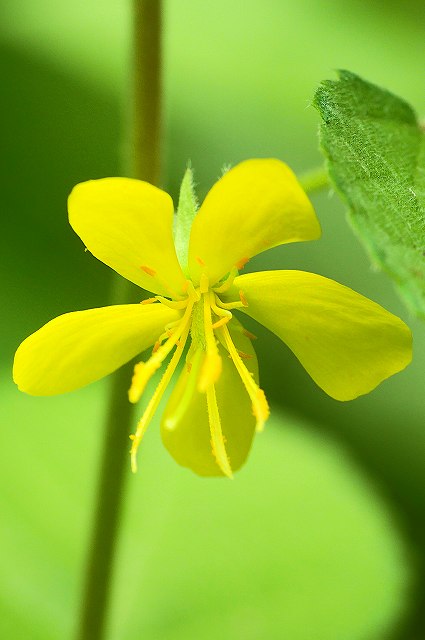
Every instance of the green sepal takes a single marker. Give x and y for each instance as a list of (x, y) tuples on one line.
[(186, 212)]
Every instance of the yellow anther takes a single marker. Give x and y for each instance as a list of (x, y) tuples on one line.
[(149, 301), (200, 261)]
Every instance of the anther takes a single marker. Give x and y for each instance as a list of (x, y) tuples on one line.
[(149, 301), (156, 346), (249, 335), (245, 356), (200, 261), (148, 270), (241, 263), (242, 298)]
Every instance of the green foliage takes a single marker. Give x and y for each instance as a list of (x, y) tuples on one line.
[(376, 159), (300, 546)]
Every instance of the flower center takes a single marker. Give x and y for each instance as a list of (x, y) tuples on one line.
[(205, 319)]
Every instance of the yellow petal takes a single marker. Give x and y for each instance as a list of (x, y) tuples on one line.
[(347, 343), (80, 347), (127, 224), (257, 205), (185, 427)]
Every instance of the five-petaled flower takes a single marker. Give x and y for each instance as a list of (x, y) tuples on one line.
[(347, 343)]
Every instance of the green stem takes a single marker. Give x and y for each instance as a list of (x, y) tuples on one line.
[(143, 163), (315, 180)]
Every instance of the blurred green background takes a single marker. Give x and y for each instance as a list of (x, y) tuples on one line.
[(322, 535)]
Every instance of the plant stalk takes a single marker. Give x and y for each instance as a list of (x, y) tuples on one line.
[(143, 162), (315, 180)]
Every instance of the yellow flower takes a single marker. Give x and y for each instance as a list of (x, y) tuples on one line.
[(347, 343)]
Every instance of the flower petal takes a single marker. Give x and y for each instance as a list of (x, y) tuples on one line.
[(347, 343), (80, 347), (185, 427), (127, 224), (257, 205)]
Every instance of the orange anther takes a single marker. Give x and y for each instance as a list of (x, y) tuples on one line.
[(241, 263), (156, 346), (242, 298), (245, 356), (249, 335), (148, 270), (200, 261), (149, 301)]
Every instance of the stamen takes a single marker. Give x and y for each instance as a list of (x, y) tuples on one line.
[(173, 304), (241, 263), (156, 346), (221, 322), (156, 398), (242, 297), (211, 368), (249, 335), (228, 282), (258, 399), (218, 310), (193, 367), (138, 382), (218, 446), (147, 369), (149, 301), (148, 270), (204, 283), (200, 261), (171, 325), (230, 305), (192, 292)]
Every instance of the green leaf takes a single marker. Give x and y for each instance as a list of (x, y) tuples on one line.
[(375, 152)]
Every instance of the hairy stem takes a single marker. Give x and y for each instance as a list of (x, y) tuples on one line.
[(143, 162)]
